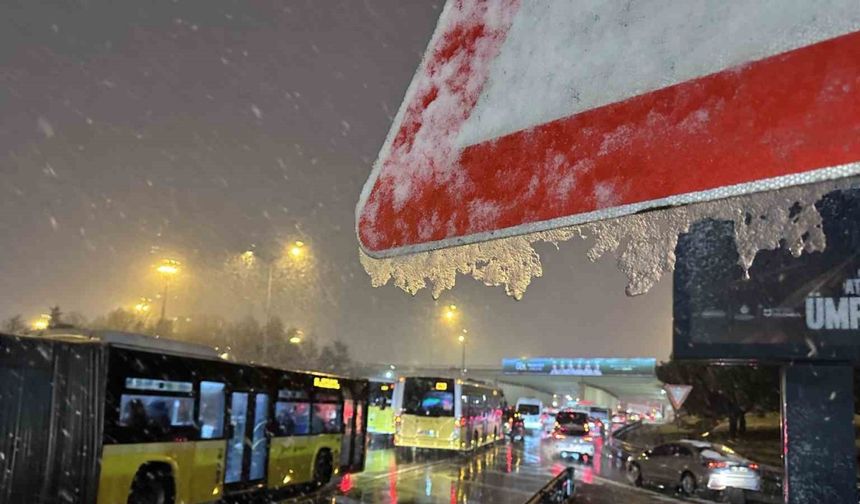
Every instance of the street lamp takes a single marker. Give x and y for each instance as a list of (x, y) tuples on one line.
[(296, 336), (142, 307), (297, 249), (168, 268), (41, 323), (450, 314)]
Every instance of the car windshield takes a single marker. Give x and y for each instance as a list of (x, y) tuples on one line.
[(424, 251)]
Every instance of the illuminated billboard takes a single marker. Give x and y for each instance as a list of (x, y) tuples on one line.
[(579, 366), (789, 308)]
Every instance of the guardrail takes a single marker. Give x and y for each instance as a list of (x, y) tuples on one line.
[(560, 489)]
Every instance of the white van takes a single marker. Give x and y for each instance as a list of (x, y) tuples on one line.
[(530, 409)]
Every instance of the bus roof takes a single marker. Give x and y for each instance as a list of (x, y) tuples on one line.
[(130, 340), (146, 343)]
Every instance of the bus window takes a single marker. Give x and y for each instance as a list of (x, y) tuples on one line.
[(327, 418), (156, 412), (425, 397), (292, 418), (211, 416)]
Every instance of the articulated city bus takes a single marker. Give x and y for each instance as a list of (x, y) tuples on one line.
[(380, 413), (446, 413), (115, 418)]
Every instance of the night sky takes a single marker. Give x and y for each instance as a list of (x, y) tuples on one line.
[(132, 131)]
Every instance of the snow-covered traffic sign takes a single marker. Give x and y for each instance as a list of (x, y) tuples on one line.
[(677, 394), (531, 115)]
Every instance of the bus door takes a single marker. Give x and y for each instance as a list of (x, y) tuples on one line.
[(348, 439), (248, 444), (354, 433), (360, 444)]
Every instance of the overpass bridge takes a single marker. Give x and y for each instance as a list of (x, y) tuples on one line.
[(605, 382)]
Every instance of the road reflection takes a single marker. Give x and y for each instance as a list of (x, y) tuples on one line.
[(501, 474)]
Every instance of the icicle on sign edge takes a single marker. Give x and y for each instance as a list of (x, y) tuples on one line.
[(643, 244)]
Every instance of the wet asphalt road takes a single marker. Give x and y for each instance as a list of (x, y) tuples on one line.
[(502, 474)]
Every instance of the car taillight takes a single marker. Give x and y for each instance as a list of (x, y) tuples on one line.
[(587, 439), (753, 466), (717, 464)]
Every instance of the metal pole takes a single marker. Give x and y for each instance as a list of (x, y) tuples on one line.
[(463, 359), (268, 311), (164, 298), (818, 433)]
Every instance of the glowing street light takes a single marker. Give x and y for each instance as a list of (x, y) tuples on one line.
[(41, 323), (450, 314), (168, 268), (142, 307), (296, 336), (297, 249)]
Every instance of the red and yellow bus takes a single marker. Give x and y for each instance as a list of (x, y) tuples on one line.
[(446, 413), (122, 418)]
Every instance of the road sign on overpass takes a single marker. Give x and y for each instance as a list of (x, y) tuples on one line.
[(580, 366), (532, 115)]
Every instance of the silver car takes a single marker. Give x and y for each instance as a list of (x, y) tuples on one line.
[(692, 466)]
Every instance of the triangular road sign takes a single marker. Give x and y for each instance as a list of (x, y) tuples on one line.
[(677, 394), (530, 115)]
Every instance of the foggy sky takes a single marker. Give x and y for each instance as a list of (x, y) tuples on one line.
[(198, 128)]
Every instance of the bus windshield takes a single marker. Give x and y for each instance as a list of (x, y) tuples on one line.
[(428, 397), (528, 409)]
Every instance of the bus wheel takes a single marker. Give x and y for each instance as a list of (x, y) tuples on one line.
[(323, 468), (153, 484)]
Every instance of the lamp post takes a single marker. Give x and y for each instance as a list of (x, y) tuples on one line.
[(168, 268), (462, 339), (293, 255), (450, 314)]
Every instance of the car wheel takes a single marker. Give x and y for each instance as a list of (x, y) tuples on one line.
[(688, 484), (634, 475)]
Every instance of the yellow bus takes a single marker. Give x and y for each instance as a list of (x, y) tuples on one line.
[(121, 418), (446, 413), (380, 414)]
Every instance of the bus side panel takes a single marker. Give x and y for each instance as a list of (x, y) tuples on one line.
[(208, 477), (120, 463), (292, 458), (78, 410)]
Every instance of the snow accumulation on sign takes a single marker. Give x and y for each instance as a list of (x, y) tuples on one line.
[(529, 116)]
